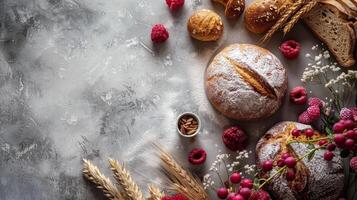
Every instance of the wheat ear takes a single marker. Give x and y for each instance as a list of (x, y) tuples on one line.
[(183, 181), (305, 9), (124, 179), (155, 193), (92, 173), (286, 15)]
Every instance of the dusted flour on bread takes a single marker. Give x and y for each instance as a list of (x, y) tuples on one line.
[(315, 179), (245, 82)]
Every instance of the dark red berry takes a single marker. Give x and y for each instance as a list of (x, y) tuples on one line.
[(290, 49), (222, 193), (247, 183), (339, 139), (267, 165), (290, 162), (295, 132), (290, 174), (235, 178), (331, 147), (349, 125), (298, 95), (245, 192), (338, 127), (323, 142), (238, 197), (349, 144), (231, 195), (309, 132), (260, 195), (328, 155), (285, 155), (350, 134), (280, 163)]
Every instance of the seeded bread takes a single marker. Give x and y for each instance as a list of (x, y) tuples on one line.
[(332, 27), (263, 14), (316, 179), (245, 82)]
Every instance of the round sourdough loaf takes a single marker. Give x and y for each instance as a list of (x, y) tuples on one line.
[(315, 179), (245, 82)]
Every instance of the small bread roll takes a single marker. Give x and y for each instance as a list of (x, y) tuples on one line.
[(245, 82), (262, 14), (315, 179), (233, 8), (205, 25)]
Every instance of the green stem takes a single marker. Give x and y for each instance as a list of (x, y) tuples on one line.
[(309, 141), (283, 168)]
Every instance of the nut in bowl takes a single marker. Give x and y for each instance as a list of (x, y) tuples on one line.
[(188, 124)]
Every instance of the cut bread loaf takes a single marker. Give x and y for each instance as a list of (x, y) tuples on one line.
[(332, 27)]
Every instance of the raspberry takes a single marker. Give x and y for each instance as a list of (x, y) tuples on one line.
[(298, 95), (354, 114), (260, 195), (159, 33), (290, 49), (314, 101), (175, 4), (346, 113), (304, 118), (234, 138), (353, 164), (313, 112), (197, 156)]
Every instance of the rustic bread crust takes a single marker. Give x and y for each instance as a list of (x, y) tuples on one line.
[(245, 82), (315, 179), (351, 61)]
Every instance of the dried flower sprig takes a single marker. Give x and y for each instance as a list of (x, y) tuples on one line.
[(92, 173), (124, 179), (341, 85), (224, 166)]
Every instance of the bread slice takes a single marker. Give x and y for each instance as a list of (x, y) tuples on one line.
[(333, 28)]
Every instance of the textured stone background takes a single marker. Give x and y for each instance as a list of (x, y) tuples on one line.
[(81, 79)]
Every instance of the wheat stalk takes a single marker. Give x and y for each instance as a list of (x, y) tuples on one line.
[(183, 181), (92, 173), (305, 9), (155, 193), (124, 179), (286, 15)]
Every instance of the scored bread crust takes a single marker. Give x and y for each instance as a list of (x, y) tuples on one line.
[(245, 82), (315, 179), (311, 16)]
